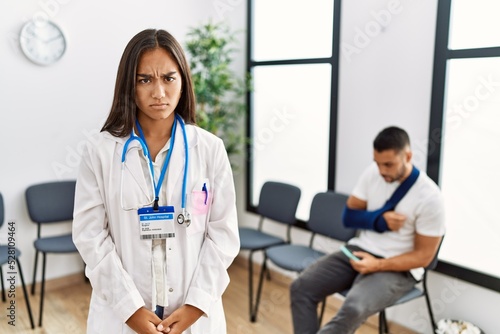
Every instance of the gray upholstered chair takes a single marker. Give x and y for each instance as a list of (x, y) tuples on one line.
[(7, 254), (414, 293), (325, 219), (48, 203), (277, 202)]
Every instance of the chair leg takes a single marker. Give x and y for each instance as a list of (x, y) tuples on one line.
[(382, 323), (4, 298), (429, 307), (322, 312), (263, 270), (268, 274), (25, 292), (250, 285), (42, 289), (33, 285)]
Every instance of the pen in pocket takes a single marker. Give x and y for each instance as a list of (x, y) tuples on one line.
[(204, 189)]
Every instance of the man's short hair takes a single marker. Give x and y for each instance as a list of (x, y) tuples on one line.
[(391, 138)]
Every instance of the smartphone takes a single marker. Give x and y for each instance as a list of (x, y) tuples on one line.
[(348, 253)]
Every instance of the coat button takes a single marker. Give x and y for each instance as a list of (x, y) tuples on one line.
[(170, 290)]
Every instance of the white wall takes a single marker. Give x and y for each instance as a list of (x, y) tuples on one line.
[(386, 79), (48, 112)]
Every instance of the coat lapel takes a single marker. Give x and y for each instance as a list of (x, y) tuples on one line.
[(176, 168), (135, 164), (177, 164), (134, 161)]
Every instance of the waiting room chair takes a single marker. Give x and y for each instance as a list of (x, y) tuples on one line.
[(6, 253), (49, 203), (325, 219), (414, 293), (277, 202)]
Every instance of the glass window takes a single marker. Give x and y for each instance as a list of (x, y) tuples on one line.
[(292, 29), (474, 24), (291, 128), (470, 164), (465, 117), (294, 66)]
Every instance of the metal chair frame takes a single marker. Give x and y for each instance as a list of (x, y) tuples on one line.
[(17, 253), (325, 219), (277, 202), (414, 293), (50, 202)]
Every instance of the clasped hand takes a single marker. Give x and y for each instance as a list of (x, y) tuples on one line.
[(394, 220), (144, 321)]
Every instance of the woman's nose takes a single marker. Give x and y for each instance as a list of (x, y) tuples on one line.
[(158, 91)]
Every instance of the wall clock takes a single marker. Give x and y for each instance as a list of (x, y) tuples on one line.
[(42, 42)]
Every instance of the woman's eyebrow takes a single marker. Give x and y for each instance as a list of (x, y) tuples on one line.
[(149, 75)]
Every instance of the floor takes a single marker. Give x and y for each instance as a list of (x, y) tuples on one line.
[(67, 299)]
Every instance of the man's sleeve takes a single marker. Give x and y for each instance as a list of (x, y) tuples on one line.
[(364, 219)]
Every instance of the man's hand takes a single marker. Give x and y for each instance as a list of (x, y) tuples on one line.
[(367, 263), (394, 220), (180, 320), (424, 251), (144, 321)]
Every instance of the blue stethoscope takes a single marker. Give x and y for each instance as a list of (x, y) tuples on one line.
[(183, 217)]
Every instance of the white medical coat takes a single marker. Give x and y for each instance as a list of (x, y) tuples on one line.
[(118, 262)]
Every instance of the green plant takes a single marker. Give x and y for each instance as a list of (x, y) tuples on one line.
[(220, 103)]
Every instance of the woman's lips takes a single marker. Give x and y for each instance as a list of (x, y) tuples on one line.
[(159, 106)]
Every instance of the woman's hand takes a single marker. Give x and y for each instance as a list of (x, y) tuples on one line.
[(180, 320), (144, 321)]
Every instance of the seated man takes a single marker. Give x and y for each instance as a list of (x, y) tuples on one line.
[(400, 215)]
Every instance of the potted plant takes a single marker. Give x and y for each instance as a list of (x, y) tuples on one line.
[(220, 94)]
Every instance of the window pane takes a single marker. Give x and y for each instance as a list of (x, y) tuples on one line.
[(474, 24), (470, 167), (290, 135), (292, 29)]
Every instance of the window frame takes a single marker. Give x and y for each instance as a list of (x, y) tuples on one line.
[(441, 56), (334, 62)]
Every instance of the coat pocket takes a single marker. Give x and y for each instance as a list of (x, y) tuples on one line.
[(199, 201), (102, 320)]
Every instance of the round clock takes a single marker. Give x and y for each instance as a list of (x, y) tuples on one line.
[(42, 42)]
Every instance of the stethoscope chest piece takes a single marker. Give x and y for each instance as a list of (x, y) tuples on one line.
[(184, 218)]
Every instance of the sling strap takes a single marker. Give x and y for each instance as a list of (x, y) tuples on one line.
[(374, 220)]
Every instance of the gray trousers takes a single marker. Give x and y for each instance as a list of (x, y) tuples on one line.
[(368, 294)]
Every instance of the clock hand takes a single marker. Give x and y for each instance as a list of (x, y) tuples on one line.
[(53, 39), (31, 34)]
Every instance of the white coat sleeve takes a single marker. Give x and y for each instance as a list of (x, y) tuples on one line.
[(110, 282), (221, 244)]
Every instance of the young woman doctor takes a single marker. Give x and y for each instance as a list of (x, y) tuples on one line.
[(155, 215)]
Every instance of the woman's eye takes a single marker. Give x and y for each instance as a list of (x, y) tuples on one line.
[(169, 79), (144, 81)]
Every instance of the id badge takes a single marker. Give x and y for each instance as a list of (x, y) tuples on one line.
[(157, 224)]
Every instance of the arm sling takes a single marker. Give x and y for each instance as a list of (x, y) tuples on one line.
[(373, 220)]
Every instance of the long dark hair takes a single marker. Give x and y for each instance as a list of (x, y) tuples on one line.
[(124, 109)]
